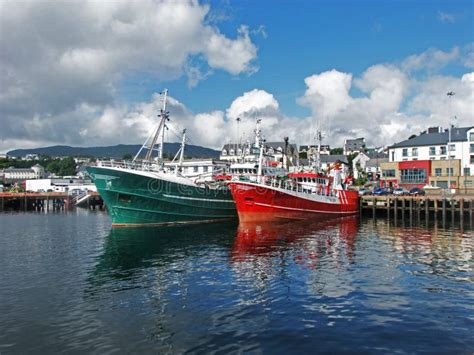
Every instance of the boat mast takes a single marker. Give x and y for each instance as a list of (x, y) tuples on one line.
[(181, 152), (159, 131), (258, 133), (317, 155)]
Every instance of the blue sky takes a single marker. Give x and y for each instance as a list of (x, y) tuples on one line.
[(87, 72), (307, 37)]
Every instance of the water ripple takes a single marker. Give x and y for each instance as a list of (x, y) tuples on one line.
[(71, 284)]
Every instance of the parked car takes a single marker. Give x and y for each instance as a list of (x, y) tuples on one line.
[(363, 191), (417, 191), (380, 191), (400, 191)]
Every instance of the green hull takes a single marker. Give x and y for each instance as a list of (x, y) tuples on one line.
[(134, 199)]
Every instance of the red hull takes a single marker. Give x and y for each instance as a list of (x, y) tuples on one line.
[(264, 203)]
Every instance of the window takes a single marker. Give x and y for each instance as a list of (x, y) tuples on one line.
[(393, 156), (471, 137), (467, 171), (449, 171), (432, 150), (471, 160), (413, 176), (471, 148), (206, 169), (388, 173), (438, 172), (452, 148), (224, 152), (405, 152), (232, 152), (414, 152), (195, 169), (443, 150)]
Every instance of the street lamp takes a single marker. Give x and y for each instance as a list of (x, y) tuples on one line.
[(450, 94)]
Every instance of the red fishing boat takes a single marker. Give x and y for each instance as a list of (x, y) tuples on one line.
[(297, 196)]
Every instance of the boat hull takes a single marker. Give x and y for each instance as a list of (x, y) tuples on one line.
[(135, 198), (257, 203)]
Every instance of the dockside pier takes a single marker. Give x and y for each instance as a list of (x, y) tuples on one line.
[(426, 207), (45, 201)]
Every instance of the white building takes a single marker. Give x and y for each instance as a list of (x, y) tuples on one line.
[(354, 146), (198, 167), (312, 149), (19, 174), (434, 145), (59, 185), (235, 152), (369, 163)]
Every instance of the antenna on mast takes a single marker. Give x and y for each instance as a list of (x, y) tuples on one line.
[(160, 131)]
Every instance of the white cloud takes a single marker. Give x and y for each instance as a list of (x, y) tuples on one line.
[(446, 17), (57, 56), (327, 93), (432, 59)]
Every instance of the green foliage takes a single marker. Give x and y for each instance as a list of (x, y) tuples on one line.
[(62, 167), (303, 155), (127, 157), (361, 180), (336, 151)]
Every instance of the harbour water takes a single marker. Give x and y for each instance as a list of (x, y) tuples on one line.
[(69, 283)]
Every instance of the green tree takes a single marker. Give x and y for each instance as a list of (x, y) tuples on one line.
[(53, 167), (336, 151), (127, 157), (67, 166)]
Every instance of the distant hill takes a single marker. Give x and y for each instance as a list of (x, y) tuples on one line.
[(115, 151)]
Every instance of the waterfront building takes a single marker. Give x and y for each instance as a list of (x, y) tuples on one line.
[(308, 150), (12, 175), (369, 163), (434, 157), (30, 157), (197, 167), (354, 146), (238, 152), (59, 185)]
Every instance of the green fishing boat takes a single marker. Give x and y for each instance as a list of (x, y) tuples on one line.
[(146, 192)]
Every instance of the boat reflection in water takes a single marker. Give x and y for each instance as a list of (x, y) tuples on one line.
[(128, 252), (263, 253), (263, 238)]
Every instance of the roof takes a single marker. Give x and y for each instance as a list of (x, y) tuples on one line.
[(437, 138), (356, 140), (333, 158), (375, 163), (267, 144), (18, 170), (376, 155)]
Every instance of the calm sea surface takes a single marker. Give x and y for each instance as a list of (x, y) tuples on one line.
[(69, 283)]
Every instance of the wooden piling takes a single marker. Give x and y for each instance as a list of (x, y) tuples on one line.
[(374, 202), (470, 210), (395, 210), (461, 210), (444, 209), (427, 209), (388, 206)]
